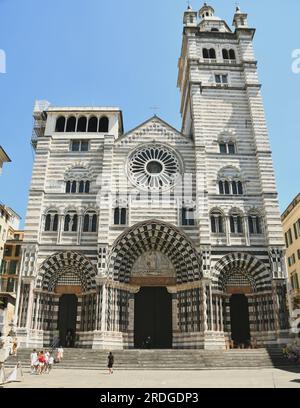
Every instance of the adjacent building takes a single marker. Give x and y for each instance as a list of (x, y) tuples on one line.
[(291, 227), (3, 158), (9, 268), (9, 221), (156, 234)]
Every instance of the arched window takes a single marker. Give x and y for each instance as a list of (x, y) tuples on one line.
[(236, 224), (226, 187), (215, 29), (87, 187), (48, 222), (81, 125), (212, 53), (103, 124), (74, 223), (120, 216), (221, 187), (205, 53), (232, 54), (234, 188), (94, 223), (223, 148), (60, 124), (71, 124), (217, 222), (74, 187), (90, 222), (231, 148), (229, 181), (51, 222), (55, 222), (123, 216), (71, 222), (254, 222), (93, 124), (86, 223), (227, 147), (81, 186), (225, 54), (240, 188), (68, 187), (67, 223)]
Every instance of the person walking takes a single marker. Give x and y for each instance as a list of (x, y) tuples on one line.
[(110, 364)]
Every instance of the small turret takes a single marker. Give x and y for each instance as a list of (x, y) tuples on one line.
[(240, 19), (206, 11), (190, 17), (210, 22)]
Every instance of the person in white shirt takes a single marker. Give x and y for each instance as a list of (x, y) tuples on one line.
[(34, 361), (50, 363)]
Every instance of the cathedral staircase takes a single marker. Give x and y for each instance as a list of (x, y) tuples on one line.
[(165, 359)]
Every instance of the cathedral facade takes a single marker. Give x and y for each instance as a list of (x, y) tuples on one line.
[(157, 237)]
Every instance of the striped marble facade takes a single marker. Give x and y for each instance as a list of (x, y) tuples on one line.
[(210, 265)]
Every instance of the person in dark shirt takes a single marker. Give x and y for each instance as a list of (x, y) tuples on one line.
[(110, 364)]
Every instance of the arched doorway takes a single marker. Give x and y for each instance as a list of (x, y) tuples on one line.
[(153, 318), (239, 320), (154, 255), (67, 315), (244, 282), (159, 237), (65, 302)]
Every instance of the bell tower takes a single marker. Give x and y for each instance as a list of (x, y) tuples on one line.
[(221, 103)]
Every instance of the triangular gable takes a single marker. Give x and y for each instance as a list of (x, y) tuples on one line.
[(158, 122)]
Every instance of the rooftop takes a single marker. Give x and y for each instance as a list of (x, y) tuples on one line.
[(3, 155), (9, 211), (291, 207), (83, 109)]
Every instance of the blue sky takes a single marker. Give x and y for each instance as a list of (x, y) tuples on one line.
[(124, 53)]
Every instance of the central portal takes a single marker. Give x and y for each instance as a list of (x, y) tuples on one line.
[(153, 318), (239, 316), (67, 320)]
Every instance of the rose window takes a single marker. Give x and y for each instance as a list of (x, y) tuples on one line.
[(154, 167)]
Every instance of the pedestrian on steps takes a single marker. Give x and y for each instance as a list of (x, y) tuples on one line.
[(110, 364)]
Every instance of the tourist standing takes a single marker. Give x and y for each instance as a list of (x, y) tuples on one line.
[(33, 361), (60, 354), (47, 355), (110, 364), (42, 362), (50, 363), (14, 346)]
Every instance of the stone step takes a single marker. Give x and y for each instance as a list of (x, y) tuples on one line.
[(164, 359)]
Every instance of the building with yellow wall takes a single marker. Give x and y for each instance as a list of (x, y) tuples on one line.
[(10, 256), (291, 226), (9, 220)]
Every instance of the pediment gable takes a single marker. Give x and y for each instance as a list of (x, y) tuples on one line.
[(155, 130)]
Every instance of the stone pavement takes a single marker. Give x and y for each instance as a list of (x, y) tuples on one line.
[(251, 378)]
